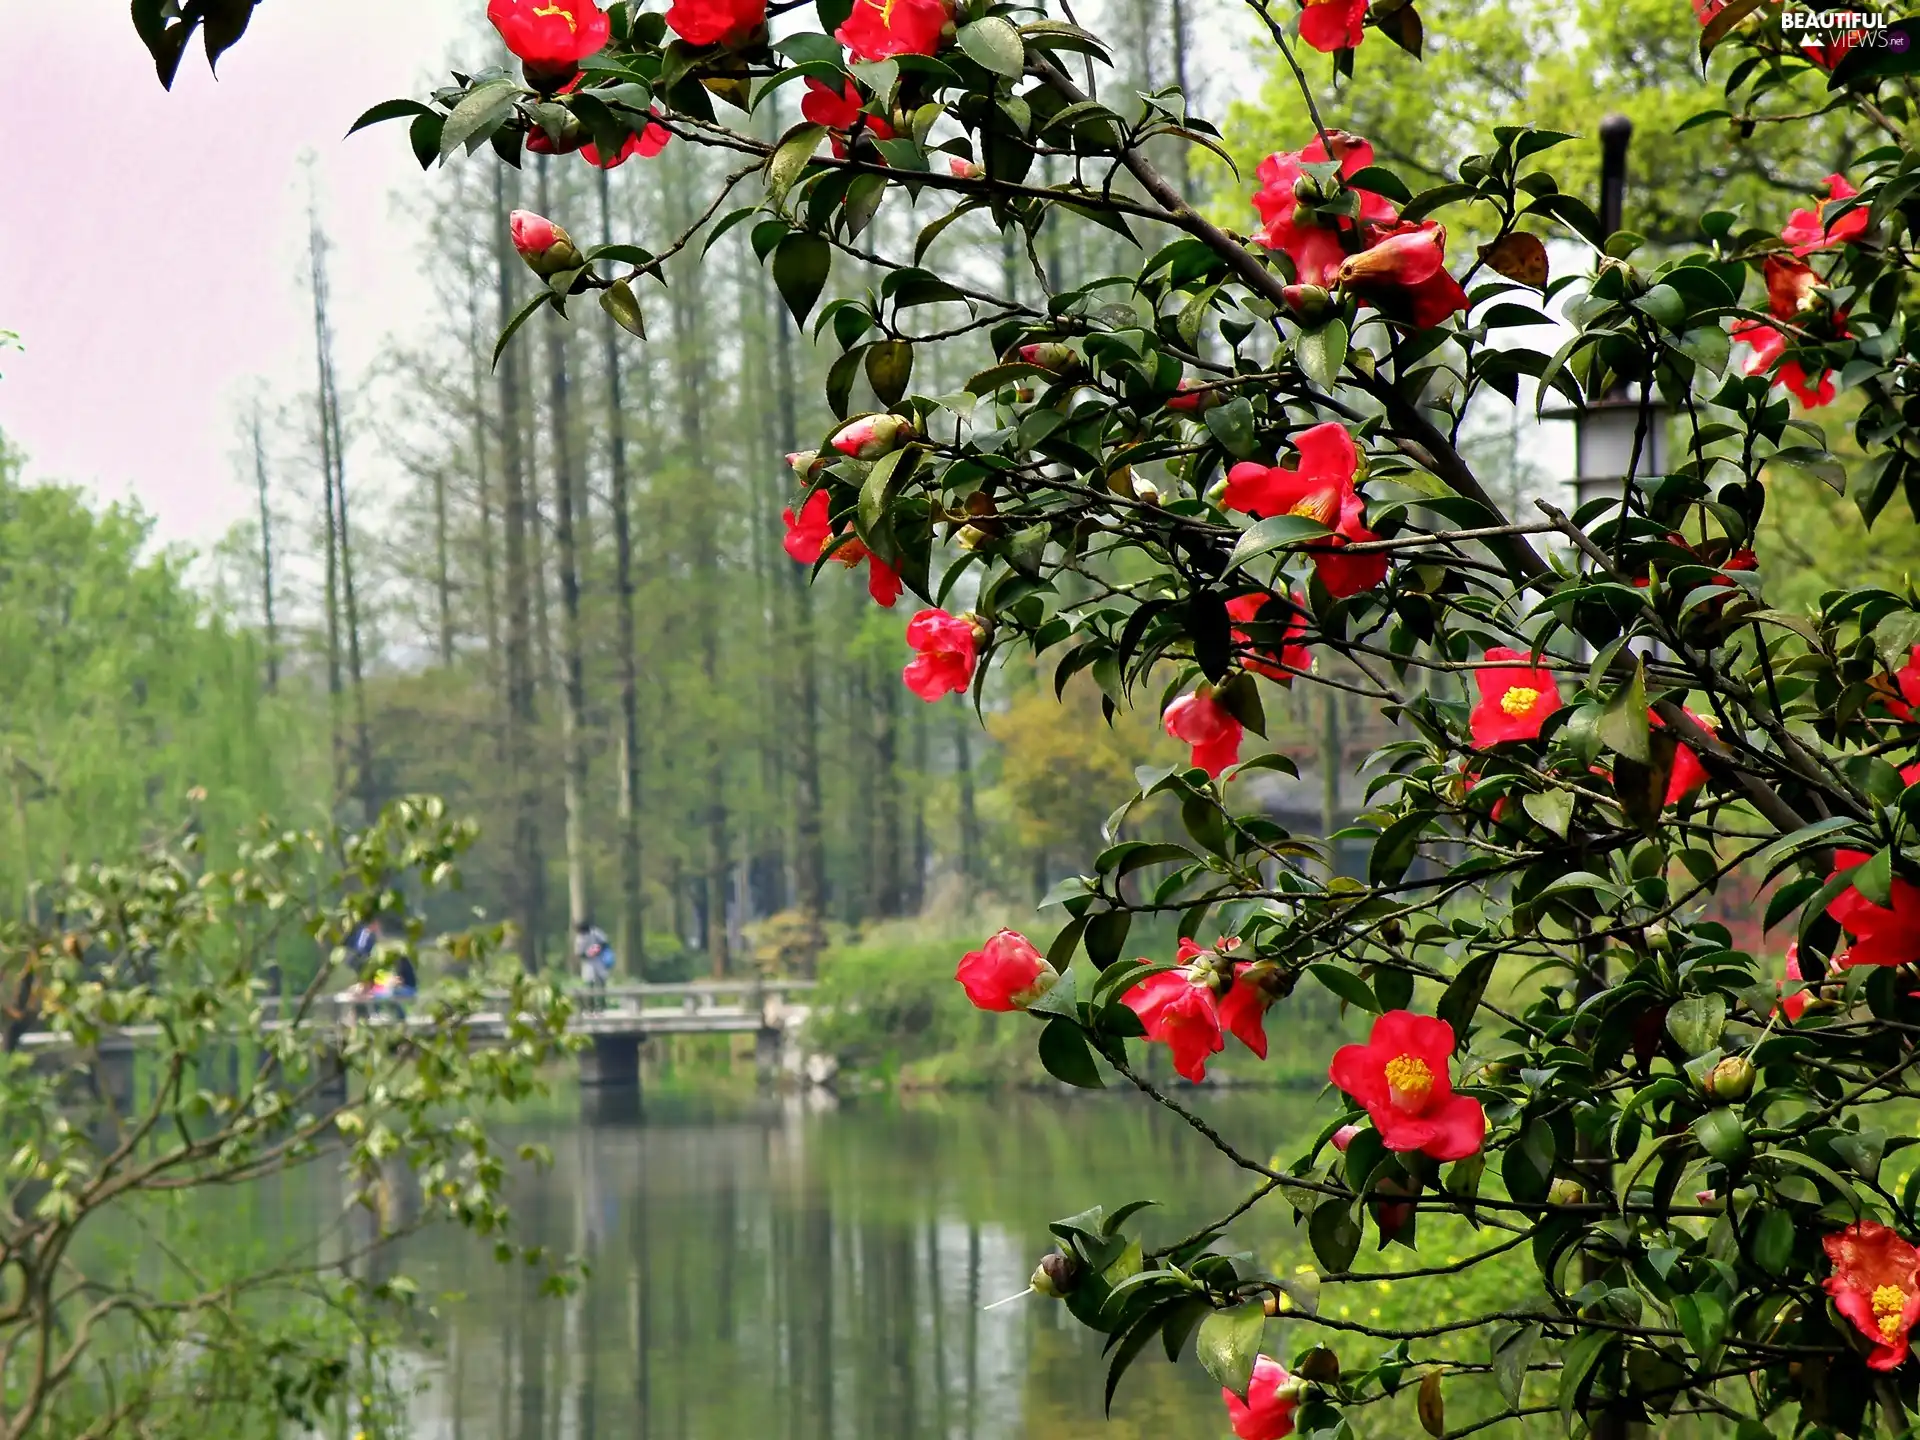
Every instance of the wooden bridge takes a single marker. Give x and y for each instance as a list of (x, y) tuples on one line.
[(615, 1020)]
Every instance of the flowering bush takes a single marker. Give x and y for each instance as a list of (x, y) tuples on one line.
[(1241, 462)]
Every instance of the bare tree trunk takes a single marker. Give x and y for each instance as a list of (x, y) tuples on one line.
[(529, 887), (632, 924), (442, 568), (916, 896), (336, 689), (969, 812), (489, 577), (266, 554), (809, 845), (573, 702), (333, 447), (690, 361), (886, 798)]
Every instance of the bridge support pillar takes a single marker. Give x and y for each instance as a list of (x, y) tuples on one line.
[(611, 1060), (769, 1049), (113, 1078)]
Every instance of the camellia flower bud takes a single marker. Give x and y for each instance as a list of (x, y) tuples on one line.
[(964, 169), (1308, 191), (1731, 1080), (1344, 1136), (545, 246), (1309, 303), (1051, 355), (807, 464), (1056, 1276), (874, 436), (1565, 1192)]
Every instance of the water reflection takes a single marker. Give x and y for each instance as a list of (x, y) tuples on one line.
[(779, 1270)]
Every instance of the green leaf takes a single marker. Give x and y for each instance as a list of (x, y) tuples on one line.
[(1347, 985), (1703, 1320), (479, 113), (993, 44), (1335, 1236), (1135, 1340), (789, 161), (1722, 1135), (1773, 1242), (1623, 724), (390, 110), (1229, 1342), (1063, 1050), (1232, 425), (619, 301), (801, 263), (1511, 1352), (1578, 1362), (1320, 353), (544, 297), (890, 370), (1552, 809), (1464, 993), (883, 484), (1273, 533), (1695, 1023), (1874, 879)]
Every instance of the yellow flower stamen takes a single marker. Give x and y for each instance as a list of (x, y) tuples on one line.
[(1519, 701), (1410, 1080), (1317, 506), (562, 11)]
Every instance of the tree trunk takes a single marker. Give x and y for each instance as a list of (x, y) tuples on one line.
[(483, 484), (886, 766), (809, 844), (633, 900), (266, 555), (969, 813), (336, 689), (528, 879), (333, 449), (916, 893), (442, 567), (573, 683)]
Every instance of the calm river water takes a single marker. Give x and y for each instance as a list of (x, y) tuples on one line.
[(792, 1271)]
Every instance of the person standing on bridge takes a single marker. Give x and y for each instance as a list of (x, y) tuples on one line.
[(594, 951)]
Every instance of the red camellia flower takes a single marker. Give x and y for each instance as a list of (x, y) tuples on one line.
[(1006, 973), (1881, 936), (1208, 726), (1515, 700), (1262, 608), (811, 534), (1405, 273), (1791, 296), (1900, 692), (1243, 1009), (551, 37), (1179, 1012), (1330, 25), (947, 647), (717, 22), (1400, 1075), (1321, 489), (881, 29), (1688, 773), (1875, 1285), (1267, 1412), (647, 144), (1795, 1005), (1807, 232), (840, 111), (1315, 249)]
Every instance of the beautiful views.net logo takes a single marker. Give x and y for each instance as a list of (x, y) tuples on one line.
[(1826, 30)]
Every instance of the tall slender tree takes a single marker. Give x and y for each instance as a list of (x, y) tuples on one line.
[(632, 917), (573, 685), (528, 878), (271, 625)]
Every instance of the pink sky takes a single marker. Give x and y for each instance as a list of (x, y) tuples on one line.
[(153, 243)]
